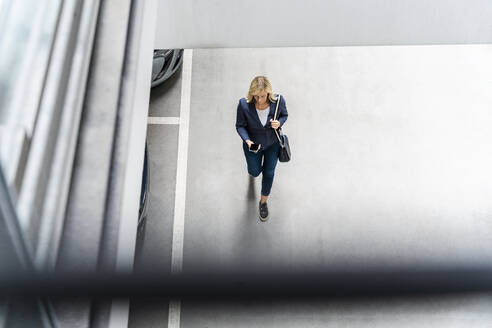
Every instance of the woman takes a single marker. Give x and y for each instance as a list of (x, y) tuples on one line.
[(255, 124)]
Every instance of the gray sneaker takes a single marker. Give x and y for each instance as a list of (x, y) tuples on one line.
[(263, 208)]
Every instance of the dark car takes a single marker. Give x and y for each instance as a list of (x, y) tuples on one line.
[(166, 62), (144, 198)]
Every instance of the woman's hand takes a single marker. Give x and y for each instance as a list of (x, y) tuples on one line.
[(275, 124), (249, 142)]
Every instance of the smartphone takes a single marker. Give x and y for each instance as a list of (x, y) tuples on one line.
[(254, 147)]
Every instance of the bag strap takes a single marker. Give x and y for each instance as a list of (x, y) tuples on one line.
[(276, 108), (274, 117)]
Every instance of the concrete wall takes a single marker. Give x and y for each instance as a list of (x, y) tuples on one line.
[(283, 23)]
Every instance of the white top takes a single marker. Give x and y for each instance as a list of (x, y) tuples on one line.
[(263, 114)]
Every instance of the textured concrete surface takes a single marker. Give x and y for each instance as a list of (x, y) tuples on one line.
[(148, 313), (287, 23), (459, 311), (391, 165), (165, 99), (154, 250), (162, 143), (391, 158)]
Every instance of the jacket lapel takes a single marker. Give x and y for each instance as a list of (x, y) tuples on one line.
[(272, 111)]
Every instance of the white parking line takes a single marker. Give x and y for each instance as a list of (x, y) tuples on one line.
[(162, 120), (180, 195), (174, 314)]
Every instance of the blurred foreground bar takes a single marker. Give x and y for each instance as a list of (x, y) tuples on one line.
[(254, 285)]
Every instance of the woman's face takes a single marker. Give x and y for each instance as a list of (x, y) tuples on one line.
[(261, 97)]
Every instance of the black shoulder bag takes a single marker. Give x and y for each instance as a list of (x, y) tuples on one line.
[(284, 154)]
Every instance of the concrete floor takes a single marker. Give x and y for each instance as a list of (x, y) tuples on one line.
[(391, 165)]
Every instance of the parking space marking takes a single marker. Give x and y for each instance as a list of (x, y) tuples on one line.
[(180, 195), (162, 120), (174, 316)]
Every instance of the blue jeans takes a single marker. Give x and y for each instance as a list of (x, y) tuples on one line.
[(270, 159)]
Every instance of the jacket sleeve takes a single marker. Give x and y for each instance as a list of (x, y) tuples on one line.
[(241, 123), (282, 117)]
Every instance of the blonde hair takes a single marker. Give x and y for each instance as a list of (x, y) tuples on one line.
[(258, 84)]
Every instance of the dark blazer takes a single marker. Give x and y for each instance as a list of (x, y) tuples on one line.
[(248, 123)]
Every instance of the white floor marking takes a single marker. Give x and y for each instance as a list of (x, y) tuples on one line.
[(180, 195), (163, 120)]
